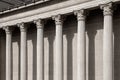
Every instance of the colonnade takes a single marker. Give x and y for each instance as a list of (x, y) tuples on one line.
[(81, 46)]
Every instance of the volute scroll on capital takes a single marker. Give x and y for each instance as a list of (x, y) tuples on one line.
[(39, 23), (81, 14), (107, 8), (58, 19), (7, 29), (22, 27)]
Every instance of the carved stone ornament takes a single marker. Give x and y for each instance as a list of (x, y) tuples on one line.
[(107, 9), (39, 24), (7, 29), (80, 14), (22, 27), (58, 19)]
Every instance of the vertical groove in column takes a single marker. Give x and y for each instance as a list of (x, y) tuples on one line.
[(81, 49), (8, 53), (23, 52), (107, 42), (59, 49), (40, 48)]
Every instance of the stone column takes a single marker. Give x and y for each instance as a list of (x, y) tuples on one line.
[(81, 48), (107, 42), (59, 48), (40, 48), (23, 51), (8, 53)]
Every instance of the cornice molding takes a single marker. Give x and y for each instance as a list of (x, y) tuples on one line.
[(25, 6), (47, 12)]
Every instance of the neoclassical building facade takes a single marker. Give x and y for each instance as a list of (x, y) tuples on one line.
[(61, 40)]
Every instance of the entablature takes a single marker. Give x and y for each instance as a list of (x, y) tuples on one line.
[(48, 11)]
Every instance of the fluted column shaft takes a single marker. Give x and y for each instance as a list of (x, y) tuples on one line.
[(59, 49), (8, 53), (81, 48), (40, 49), (107, 42), (23, 52)]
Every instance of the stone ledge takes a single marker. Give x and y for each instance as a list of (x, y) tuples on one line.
[(49, 11)]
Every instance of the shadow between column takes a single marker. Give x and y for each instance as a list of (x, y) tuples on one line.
[(0, 60), (51, 40), (91, 55), (116, 53), (2, 55), (4, 60), (34, 43), (69, 56), (19, 61)]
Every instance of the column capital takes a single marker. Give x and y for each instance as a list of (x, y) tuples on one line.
[(58, 19), (7, 29), (22, 27), (81, 14), (107, 8), (39, 23)]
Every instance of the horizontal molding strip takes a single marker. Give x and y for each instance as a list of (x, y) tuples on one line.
[(25, 6), (49, 11)]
